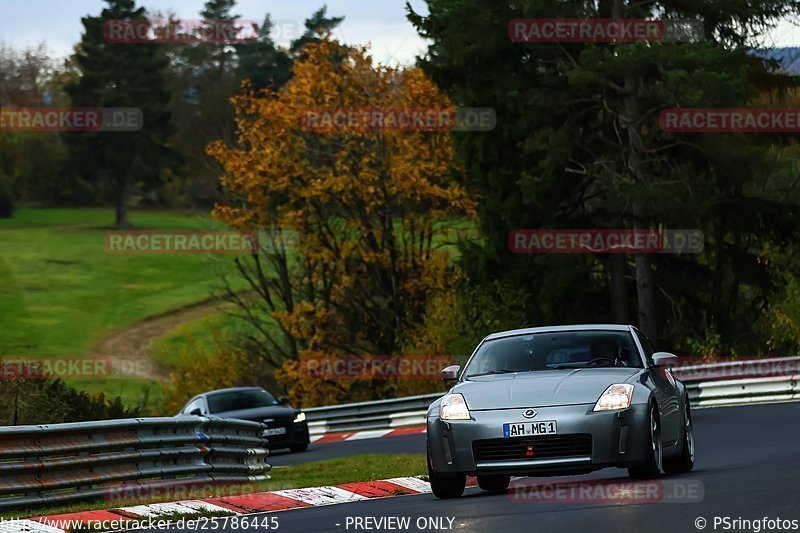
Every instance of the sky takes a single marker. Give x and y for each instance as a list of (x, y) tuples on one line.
[(382, 23)]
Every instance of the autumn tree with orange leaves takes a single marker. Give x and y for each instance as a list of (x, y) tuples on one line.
[(368, 207)]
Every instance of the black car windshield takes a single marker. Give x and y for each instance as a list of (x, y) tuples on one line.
[(555, 351), (237, 400)]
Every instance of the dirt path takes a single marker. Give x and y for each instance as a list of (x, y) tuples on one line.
[(129, 349)]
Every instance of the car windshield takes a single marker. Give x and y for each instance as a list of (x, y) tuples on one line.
[(239, 400), (554, 351)]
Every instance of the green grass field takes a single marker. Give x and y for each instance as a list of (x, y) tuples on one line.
[(61, 292)]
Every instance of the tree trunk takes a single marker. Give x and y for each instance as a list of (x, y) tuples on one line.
[(122, 207), (645, 293), (619, 290)]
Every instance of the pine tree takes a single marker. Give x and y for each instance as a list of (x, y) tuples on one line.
[(317, 25), (119, 74), (578, 145), (262, 62)]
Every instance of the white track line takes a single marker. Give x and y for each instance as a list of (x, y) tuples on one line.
[(155, 510), (321, 495), (373, 434), (412, 483)]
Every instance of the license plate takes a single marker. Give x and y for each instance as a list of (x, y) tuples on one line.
[(274, 431), (524, 429)]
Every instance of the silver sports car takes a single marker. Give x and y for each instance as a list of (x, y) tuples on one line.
[(559, 400)]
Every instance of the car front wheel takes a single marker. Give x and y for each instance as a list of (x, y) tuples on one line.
[(446, 486), (652, 464), (685, 461)]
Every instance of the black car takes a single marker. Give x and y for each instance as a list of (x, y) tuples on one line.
[(286, 426)]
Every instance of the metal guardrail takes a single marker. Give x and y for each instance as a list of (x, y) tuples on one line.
[(381, 414), (742, 391), (739, 369), (53, 464), (736, 382), (757, 380)]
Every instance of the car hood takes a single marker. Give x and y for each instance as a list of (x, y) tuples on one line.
[(540, 389), (279, 413)]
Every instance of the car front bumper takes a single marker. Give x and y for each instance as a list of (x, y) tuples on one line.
[(618, 438), (296, 435)]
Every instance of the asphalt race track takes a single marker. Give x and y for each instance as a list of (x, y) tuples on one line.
[(748, 467)]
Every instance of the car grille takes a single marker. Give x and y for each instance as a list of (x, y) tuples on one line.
[(546, 446)]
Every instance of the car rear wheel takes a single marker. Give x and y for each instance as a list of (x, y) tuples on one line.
[(446, 486), (685, 461), (298, 448), (494, 483), (653, 463)]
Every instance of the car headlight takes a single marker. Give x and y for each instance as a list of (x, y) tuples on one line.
[(454, 407), (301, 417), (615, 397)]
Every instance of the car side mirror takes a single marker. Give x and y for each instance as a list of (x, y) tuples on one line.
[(196, 412), (664, 359), (283, 400), (450, 373)]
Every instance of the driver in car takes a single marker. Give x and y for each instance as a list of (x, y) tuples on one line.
[(609, 349)]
